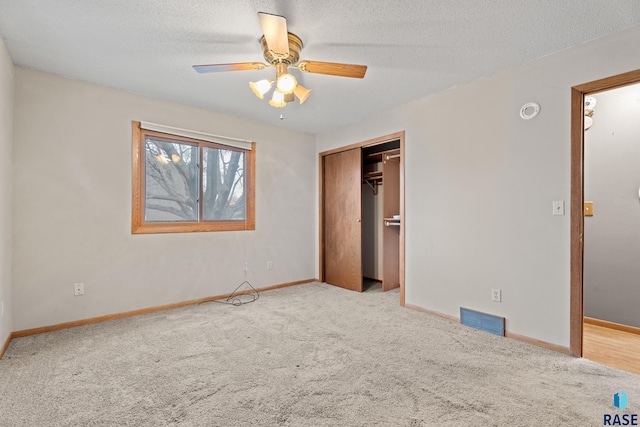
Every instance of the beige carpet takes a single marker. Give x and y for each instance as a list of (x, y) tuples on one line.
[(310, 355)]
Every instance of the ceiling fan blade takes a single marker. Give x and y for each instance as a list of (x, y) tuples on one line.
[(238, 66), (274, 28), (333, 69)]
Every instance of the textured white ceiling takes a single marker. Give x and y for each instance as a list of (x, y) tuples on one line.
[(413, 48)]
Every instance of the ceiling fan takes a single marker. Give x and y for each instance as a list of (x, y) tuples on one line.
[(281, 50)]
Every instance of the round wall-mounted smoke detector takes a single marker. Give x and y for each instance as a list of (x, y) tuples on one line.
[(529, 110)]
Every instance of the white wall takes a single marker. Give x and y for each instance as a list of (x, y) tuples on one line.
[(6, 203), (72, 215), (480, 183), (612, 234)]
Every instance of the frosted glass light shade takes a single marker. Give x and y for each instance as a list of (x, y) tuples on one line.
[(286, 83), (277, 100), (302, 93), (261, 87)]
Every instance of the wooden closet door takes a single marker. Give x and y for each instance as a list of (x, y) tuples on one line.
[(391, 234), (342, 188)]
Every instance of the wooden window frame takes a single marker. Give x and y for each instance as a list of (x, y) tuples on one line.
[(140, 226)]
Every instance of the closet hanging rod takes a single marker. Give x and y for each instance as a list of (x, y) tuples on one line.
[(392, 156), (383, 153)]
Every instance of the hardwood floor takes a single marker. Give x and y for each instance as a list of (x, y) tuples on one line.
[(611, 347)]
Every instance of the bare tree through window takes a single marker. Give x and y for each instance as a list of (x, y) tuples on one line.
[(171, 181), (189, 181), (223, 184)]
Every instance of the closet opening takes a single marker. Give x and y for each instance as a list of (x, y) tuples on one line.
[(381, 216), (362, 215)]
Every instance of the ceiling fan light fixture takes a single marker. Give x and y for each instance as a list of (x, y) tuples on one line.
[(286, 83), (281, 49), (261, 87), (277, 100), (302, 93)]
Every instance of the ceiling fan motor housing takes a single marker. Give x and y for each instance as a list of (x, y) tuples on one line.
[(295, 46)]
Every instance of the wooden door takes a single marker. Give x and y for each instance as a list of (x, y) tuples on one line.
[(391, 234), (342, 184)]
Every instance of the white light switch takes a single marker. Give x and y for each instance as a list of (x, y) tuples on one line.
[(558, 207)]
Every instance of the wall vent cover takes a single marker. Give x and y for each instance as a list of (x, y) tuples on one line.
[(483, 321)]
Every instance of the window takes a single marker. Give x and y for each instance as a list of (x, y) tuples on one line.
[(182, 183)]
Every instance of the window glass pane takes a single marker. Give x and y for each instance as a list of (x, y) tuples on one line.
[(171, 181), (223, 183)]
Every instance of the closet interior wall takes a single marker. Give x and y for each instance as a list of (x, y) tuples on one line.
[(381, 214), (372, 228)]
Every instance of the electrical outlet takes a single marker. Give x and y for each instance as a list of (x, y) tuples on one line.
[(78, 289), (496, 295), (269, 265)]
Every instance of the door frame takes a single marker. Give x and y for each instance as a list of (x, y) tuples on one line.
[(578, 94), (368, 143)]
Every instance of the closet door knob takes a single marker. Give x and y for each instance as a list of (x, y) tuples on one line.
[(358, 219)]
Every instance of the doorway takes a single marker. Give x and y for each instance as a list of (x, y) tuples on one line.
[(342, 182), (578, 94)]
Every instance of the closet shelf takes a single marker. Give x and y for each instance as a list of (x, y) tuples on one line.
[(381, 156), (372, 176), (374, 179)]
